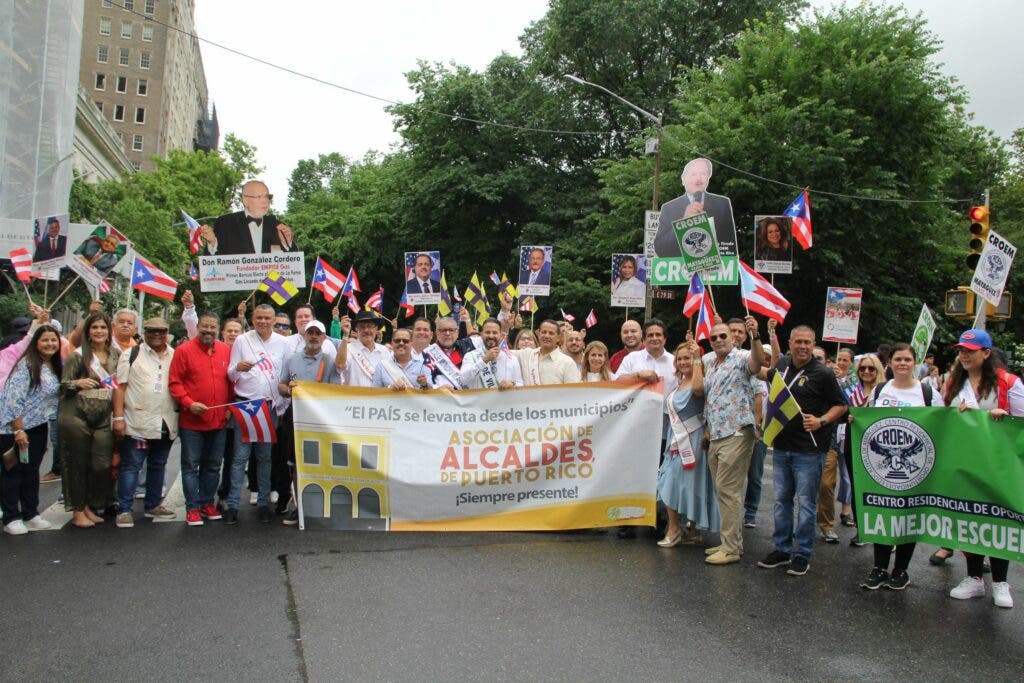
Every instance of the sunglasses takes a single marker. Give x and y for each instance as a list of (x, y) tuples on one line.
[(282, 326), (401, 341), (867, 368), (720, 337)]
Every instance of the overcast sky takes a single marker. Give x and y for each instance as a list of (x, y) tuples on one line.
[(369, 47)]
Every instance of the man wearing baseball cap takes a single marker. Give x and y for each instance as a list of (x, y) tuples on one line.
[(311, 364)]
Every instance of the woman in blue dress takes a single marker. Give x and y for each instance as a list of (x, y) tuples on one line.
[(684, 480)]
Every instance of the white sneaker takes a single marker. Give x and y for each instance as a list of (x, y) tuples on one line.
[(16, 528), (1001, 594), (274, 497), (969, 588), (253, 497), (37, 523)]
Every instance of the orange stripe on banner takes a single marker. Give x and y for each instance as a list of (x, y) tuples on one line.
[(591, 514)]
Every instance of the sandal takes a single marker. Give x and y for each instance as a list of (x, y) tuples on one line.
[(938, 560)]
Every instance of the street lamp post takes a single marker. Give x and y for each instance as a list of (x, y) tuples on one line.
[(658, 121)]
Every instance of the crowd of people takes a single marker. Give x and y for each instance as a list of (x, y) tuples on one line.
[(109, 404)]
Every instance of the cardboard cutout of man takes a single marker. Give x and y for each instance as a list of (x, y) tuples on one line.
[(697, 199), (251, 231)]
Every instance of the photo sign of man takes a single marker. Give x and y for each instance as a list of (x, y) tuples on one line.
[(696, 200), (629, 280), (254, 230), (773, 244), (534, 271), (98, 253), (51, 242), (423, 277)]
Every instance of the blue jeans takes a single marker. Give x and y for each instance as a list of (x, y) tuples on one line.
[(201, 454), (132, 457), (797, 475), (752, 500), (262, 453)]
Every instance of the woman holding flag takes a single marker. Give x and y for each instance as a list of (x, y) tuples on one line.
[(86, 439), (684, 480)]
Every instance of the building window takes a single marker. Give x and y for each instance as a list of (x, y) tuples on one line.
[(150, 7), (119, 112), (101, 82), (147, 33), (310, 452), (143, 89), (129, 5), (368, 456), (122, 84), (144, 60), (122, 57), (140, 114), (369, 503), (126, 29), (99, 106), (120, 136), (339, 454), (104, 26), (101, 54), (137, 166), (313, 501), (136, 143), (107, 3)]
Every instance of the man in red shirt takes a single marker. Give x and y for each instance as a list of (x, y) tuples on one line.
[(632, 340), (198, 379)]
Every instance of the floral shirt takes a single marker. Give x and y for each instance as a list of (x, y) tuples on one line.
[(728, 394), (35, 406)]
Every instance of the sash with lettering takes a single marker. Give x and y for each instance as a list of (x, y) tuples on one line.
[(396, 373), (355, 353), (444, 364), (533, 366), (487, 376), (681, 435)]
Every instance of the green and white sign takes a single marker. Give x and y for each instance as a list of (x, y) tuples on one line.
[(671, 270), (940, 476), (698, 243), (923, 333)]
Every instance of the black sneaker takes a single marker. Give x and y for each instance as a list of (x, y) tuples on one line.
[(898, 581), (799, 566), (876, 579), (774, 559), (856, 542), (291, 518), (266, 515), (230, 516)]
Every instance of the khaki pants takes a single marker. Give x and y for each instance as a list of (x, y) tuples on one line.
[(827, 492), (729, 459)]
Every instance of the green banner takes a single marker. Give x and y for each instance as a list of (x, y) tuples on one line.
[(942, 477), (670, 270), (698, 243)]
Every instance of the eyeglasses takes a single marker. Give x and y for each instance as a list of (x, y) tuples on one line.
[(867, 368), (282, 326), (446, 330), (720, 337), (268, 197), (401, 341)]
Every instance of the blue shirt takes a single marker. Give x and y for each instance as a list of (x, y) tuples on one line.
[(34, 406), (413, 369)]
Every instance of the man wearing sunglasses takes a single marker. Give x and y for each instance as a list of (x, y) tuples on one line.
[(729, 409)]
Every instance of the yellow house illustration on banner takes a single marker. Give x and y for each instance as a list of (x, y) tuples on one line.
[(343, 477)]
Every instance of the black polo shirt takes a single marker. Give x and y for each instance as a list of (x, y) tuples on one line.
[(816, 390)]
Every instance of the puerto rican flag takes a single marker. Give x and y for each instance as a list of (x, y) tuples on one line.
[(376, 300), (351, 282), (353, 302), (758, 295), (195, 243), (694, 296), (567, 317), (22, 262), (705, 318), (407, 307), (193, 272), (104, 286), (253, 418), (107, 381), (148, 278), (328, 280), (591, 319), (265, 364), (800, 210)]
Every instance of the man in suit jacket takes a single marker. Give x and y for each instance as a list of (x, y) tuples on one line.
[(51, 245), (252, 231), (696, 175), (417, 284), (538, 267)]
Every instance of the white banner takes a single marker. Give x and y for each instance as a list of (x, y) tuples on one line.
[(242, 272), (536, 458), (993, 268)]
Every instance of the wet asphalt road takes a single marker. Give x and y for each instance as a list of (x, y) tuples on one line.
[(268, 602)]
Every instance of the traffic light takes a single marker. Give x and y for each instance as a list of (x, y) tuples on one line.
[(979, 218)]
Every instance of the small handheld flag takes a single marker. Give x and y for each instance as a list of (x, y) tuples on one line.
[(353, 302), (705, 318), (567, 317), (351, 282), (507, 287), (278, 287), (444, 307), (22, 262), (195, 242), (758, 294), (779, 409), (495, 279), (694, 296), (800, 210), (406, 307), (528, 305), (591, 319), (148, 278), (254, 421), (328, 280), (376, 300), (193, 272), (455, 294)]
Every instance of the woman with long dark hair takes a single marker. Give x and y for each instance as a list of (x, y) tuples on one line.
[(27, 404), (86, 440), (978, 381)]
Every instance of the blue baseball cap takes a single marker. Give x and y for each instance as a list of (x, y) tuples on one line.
[(974, 340)]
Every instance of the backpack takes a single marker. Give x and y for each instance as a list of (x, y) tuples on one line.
[(926, 392)]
